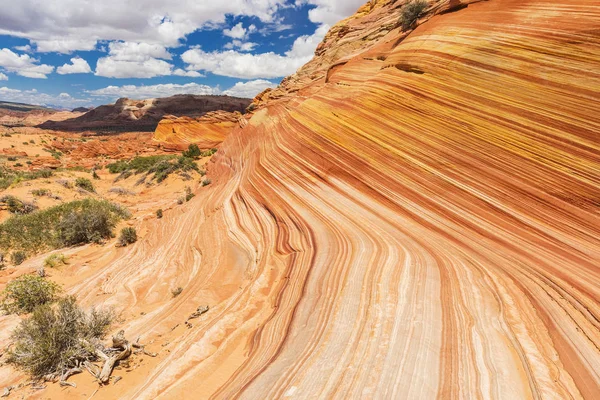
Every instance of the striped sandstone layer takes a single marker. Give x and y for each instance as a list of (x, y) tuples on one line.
[(208, 131)]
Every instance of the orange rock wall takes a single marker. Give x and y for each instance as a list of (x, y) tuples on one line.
[(177, 133)]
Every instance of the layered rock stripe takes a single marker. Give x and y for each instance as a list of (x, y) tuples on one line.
[(423, 225)]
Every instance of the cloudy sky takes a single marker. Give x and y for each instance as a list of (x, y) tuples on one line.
[(72, 53)]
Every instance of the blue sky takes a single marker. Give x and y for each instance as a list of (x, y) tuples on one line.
[(72, 53)]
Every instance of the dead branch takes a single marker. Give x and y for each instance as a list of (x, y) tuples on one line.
[(7, 391), (119, 343), (142, 348), (67, 374), (92, 369), (199, 311)]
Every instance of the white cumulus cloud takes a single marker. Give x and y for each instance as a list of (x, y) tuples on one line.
[(78, 66), (331, 11), (249, 89), (111, 68), (23, 65), (252, 66), (69, 25), (3, 77), (152, 91), (43, 99)]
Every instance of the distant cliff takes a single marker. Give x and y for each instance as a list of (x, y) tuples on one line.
[(128, 115)]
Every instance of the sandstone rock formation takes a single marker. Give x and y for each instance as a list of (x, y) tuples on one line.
[(128, 115), (208, 131), (420, 219), (11, 118)]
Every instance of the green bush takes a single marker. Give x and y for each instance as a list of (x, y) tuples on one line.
[(95, 175), (17, 206), (206, 182), (128, 236), (9, 176), (55, 339), (23, 294), (193, 151), (188, 193), (160, 166), (18, 257), (85, 184), (12, 158), (76, 222), (159, 213), (41, 192), (411, 13), (55, 260)]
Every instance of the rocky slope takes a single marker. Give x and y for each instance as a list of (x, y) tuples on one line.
[(177, 133), (128, 115), (11, 118), (420, 220)]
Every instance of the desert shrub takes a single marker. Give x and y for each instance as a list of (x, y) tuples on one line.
[(18, 257), (188, 193), (176, 292), (17, 206), (54, 153), (9, 176), (128, 236), (41, 192), (18, 165), (23, 294), (411, 12), (121, 191), (12, 158), (160, 166), (76, 222), (193, 151), (206, 182), (159, 213), (54, 260), (209, 152), (55, 339), (85, 184), (95, 175), (65, 183)]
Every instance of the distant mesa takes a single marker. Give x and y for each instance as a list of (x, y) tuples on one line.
[(10, 106), (127, 115), (82, 109)]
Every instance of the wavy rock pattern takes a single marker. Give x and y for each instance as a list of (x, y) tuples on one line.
[(424, 225), (208, 131)]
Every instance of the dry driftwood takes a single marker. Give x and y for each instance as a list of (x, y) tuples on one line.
[(7, 391), (142, 348), (119, 343), (199, 311), (67, 374)]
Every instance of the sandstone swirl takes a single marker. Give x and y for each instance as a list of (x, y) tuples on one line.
[(420, 221), (208, 131)]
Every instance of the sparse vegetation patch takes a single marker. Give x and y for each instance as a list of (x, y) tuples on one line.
[(10, 177), (55, 340), (160, 166), (55, 260), (73, 223), (17, 206), (411, 13), (128, 236), (23, 294), (85, 184)]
